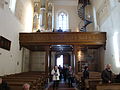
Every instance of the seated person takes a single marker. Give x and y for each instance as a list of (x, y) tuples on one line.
[(3, 85), (38, 30), (60, 30), (26, 86), (107, 74), (86, 73), (117, 79)]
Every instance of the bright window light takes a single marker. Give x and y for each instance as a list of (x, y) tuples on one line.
[(79, 55), (116, 49), (28, 18), (60, 61), (12, 5), (62, 22)]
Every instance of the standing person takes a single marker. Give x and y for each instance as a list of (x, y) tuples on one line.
[(85, 77), (107, 74), (3, 85), (117, 79), (60, 70), (86, 73), (70, 76), (65, 70), (55, 73)]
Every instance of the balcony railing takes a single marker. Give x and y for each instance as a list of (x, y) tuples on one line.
[(63, 38)]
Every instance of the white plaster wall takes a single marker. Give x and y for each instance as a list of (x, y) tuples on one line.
[(37, 61), (10, 61), (111, 25)]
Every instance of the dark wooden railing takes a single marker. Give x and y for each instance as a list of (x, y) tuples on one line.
[(63, 38)]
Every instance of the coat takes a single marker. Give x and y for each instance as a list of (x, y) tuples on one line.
[(55, 75), (106, 76), (86, 74), (4, 86)]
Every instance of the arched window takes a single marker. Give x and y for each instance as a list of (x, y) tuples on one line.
[(12, 5), (62, 21)]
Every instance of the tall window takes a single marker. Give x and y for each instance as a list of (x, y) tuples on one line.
[(62, 21), (12, 5)]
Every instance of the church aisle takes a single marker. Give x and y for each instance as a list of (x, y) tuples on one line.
[(62, 86)]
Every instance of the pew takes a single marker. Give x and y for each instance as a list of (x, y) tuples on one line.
[(94, 79), (113, 86), (92, 83), (36, 80)]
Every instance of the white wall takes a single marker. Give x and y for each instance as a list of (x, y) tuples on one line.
[(111, 25), (10, 26), (71, 8)]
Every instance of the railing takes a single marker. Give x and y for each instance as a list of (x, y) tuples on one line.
[(81, 13), (63, 38)]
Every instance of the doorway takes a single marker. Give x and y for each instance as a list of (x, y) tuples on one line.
[(63, 59), (59, 61)]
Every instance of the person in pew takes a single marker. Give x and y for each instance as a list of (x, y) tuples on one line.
[(59, 30), (85, 77), (26, 86), (117, 79), (56, 74), (86, 73), (65, 70), (3, 85), (70, 76), (107, 74)]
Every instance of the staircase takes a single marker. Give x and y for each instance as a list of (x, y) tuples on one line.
[(81, 13)]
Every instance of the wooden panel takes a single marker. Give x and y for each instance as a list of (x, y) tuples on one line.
[(63, 38), (108, 87), (5, 43)]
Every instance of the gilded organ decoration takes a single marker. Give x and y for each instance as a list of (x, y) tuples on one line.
[(37, 7), (36, 18), (42, 19), (36, 22)]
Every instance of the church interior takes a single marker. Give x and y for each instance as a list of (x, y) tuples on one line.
[(36, 35)]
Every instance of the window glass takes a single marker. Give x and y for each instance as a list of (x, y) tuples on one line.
[(12, 5), (62, 21)]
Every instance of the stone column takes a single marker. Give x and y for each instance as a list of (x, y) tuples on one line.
[(47, 59), (75, 53)]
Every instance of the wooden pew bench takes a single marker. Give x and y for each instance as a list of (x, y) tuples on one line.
[(33, 83), (35, 79), (94, 79), (114, 86), (92, 83)]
